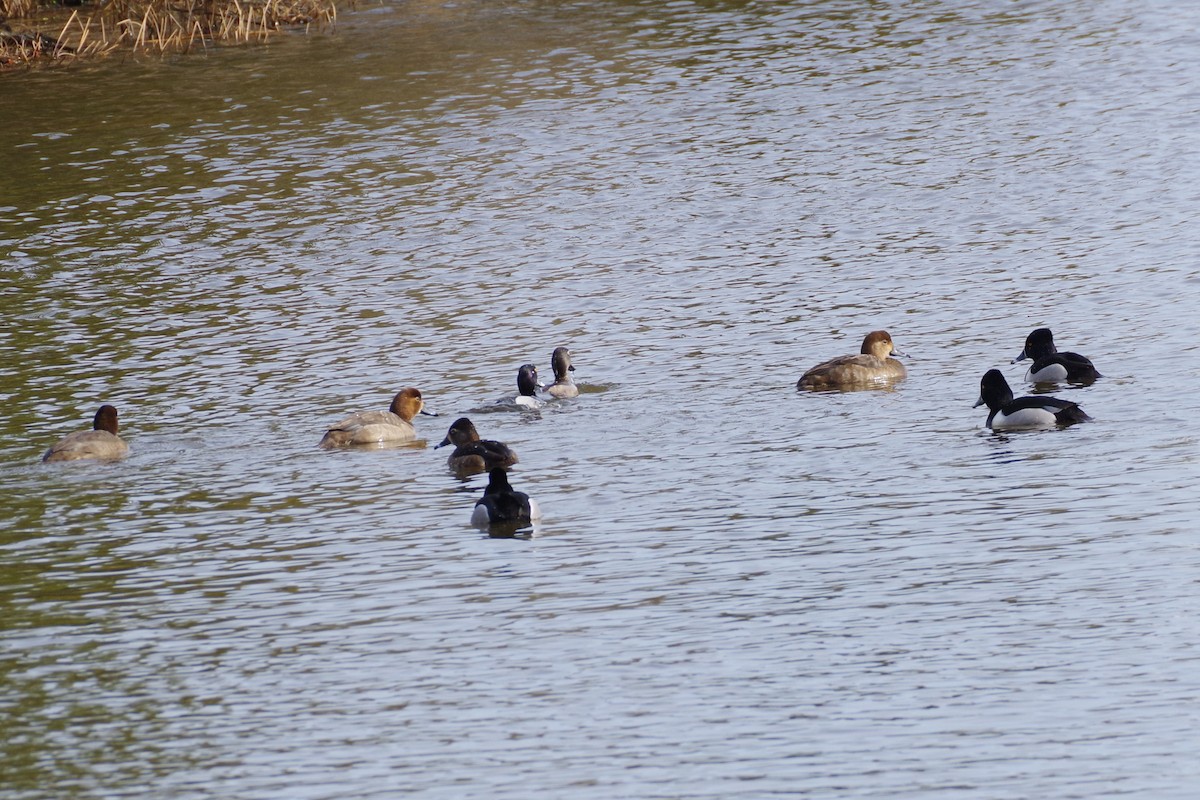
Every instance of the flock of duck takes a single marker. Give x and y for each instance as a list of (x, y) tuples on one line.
[(876, 366), (502, 508)]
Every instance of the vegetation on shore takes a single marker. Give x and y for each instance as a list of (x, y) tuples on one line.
[(58, 31)]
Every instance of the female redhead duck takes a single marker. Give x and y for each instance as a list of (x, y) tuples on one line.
[(502, 509), (563, 387), (1024, 412), (870, 368), (101, 442), (472, 454), (393, 426), (1051, 366)]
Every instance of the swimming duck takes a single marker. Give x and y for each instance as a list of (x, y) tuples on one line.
[(472, 454), (101, 442), (1024, 412), (502, 509), (527, 386), (563, 387), (1049, 365), (871, 367), (393, 426)]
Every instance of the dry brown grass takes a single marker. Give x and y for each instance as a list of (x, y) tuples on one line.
[(32, 33), (18, 8)]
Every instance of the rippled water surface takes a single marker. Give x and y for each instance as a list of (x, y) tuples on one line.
[(738, 590)]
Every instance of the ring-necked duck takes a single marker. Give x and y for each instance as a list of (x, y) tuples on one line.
[(1049, 365), (563, 387), (527, 386), (472, 454), (503, 509), (1024, 412), (871, 367), (101, 442), (393, 426)]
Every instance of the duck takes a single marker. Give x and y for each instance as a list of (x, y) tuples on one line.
[(472, 454), (527, 386), (1024, 412), (1051, 366), (100, 443), (503, 509), (871, 367), (563, 387), (379, 428)]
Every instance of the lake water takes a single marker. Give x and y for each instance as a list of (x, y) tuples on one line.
[(738, 590)]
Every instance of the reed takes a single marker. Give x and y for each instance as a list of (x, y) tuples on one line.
[(18, 8), (35, 32)]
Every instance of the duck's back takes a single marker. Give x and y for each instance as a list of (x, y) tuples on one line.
[(100, 445), (507, 508), (502, 506), (482, 456), (369, 427)]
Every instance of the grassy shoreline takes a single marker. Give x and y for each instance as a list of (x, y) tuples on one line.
[(35, 33)]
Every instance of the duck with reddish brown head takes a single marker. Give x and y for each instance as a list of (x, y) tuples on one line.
[(101, 443), (379, 428), (871, 368)]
